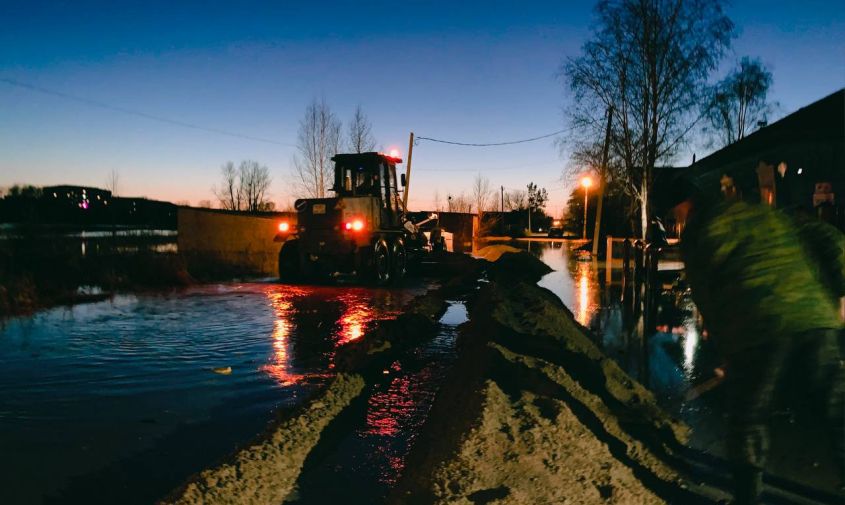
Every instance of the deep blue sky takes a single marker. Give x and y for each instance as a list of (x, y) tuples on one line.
[(454, 70)]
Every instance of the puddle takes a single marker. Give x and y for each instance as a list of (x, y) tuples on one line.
[(363, 465)]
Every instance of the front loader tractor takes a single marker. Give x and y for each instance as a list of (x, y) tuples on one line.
[(362, 231)]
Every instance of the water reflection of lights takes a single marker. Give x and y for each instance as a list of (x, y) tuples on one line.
[(354, 320), (690, 344), (362, 306), (279, 369), (586, 293)]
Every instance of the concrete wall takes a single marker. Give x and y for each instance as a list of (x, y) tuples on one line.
[(238, 241)]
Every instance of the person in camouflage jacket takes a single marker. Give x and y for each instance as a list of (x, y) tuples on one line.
[(762, 299)]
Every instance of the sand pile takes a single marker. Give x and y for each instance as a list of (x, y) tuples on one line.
[(266, 471), (535, 413), (493, 252)]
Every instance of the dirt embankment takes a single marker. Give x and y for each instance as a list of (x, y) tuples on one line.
[(535, 413), (266, 471)]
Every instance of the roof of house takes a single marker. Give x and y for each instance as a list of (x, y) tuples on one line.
[(812, 134)]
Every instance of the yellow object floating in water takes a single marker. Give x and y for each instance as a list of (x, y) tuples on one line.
[(222, 370)]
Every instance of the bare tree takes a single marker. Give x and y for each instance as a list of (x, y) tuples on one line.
[(438, 205), (253, 183), (112, 181), (205, 204), (318, 141), (229, 193), (648, 62), (458, 203), (516, 200), (244, 188), (482, 194), (360, 134), (737, 103)]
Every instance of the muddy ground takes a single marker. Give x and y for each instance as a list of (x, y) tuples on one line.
[(532, 412)]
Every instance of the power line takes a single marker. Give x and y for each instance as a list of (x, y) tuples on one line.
[(131, 112), (494, 169), (490, 144)]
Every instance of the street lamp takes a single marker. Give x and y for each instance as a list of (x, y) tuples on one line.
[(586, 182)]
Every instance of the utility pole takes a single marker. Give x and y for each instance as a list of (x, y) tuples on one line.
[(602, 177), (408, 172), (503, 210), (529, 217)]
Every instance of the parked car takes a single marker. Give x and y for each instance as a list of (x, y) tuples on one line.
[(556, 230)]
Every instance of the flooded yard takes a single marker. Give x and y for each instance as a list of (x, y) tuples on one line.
[(119, 401), (800, 456)]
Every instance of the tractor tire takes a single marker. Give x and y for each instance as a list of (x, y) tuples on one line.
[(398, 261), (381, 271), (289, 268)]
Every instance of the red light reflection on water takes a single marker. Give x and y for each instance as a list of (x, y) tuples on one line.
[(395, 412), (354, 320), (388, 410), (361, 308)]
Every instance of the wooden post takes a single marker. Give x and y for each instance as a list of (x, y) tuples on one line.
[(602, 174), (651, 299), (626, 268), (408, 172), (608, 260)]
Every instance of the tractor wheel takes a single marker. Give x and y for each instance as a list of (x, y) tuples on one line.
[(289, 261), (399, 263), (381, 263)]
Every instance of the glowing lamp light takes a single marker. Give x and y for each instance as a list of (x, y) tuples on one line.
[(394, 153), (586, 182), (284, 227)]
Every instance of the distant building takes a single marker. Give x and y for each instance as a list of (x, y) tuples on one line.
[(76, 197), (86, 207)]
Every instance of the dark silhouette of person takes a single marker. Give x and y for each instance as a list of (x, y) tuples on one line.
[(767, 313)]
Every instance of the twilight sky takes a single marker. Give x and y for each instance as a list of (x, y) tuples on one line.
[(465, 71)]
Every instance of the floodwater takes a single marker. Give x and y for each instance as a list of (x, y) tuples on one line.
[(800, 448), (118, 401)]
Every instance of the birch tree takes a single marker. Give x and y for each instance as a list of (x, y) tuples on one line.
[(737, 104), (318, 140), (648, 61)]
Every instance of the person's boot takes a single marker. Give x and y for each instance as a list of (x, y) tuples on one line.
[(748, 485)]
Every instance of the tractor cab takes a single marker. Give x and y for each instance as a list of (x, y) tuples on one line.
[(370, 175)]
